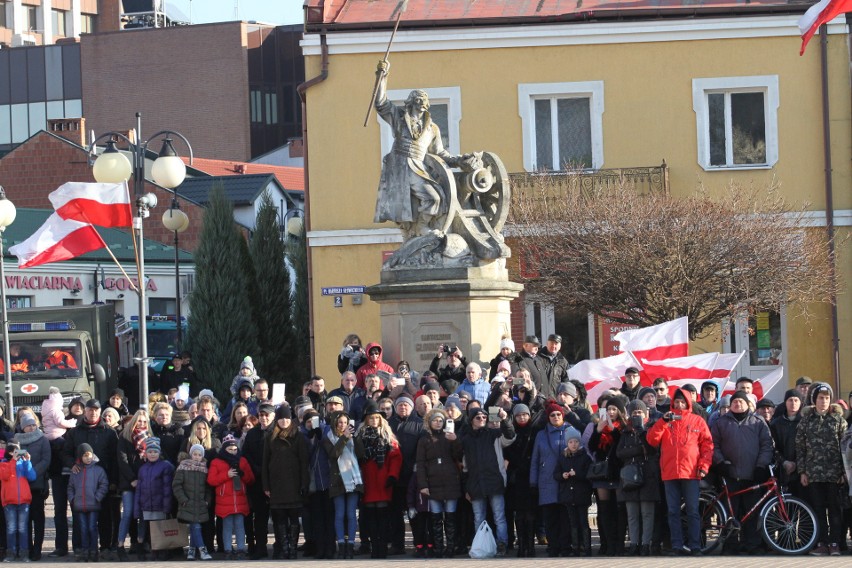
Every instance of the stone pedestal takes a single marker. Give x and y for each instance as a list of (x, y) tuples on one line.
[(423, 308)]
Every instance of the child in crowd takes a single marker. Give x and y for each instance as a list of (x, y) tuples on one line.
[(575, 492), (193, 494), (87, 489), (229, 474), (153, 497), (53, 419), (16, 472)]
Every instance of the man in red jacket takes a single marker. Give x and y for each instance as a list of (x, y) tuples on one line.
[(686, 452)]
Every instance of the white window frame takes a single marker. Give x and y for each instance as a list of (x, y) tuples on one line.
[(528, 93), (450, 96), (701, 88)]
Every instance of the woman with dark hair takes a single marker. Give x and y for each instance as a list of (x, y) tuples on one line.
[(35, 443), (346, 481), (352, 355), (381, 460), (608, 425), (285, 480), (131, 456)]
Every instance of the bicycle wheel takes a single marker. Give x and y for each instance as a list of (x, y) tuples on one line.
[(791, 528), (713, 516)]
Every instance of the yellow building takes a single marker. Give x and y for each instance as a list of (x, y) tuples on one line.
[(613, 85)]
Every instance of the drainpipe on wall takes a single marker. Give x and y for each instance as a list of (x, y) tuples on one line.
[(302, 90), (829, 201)]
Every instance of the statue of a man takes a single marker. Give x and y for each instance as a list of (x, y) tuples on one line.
[(407, 193)]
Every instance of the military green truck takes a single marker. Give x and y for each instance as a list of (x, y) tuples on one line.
[(72, 348)]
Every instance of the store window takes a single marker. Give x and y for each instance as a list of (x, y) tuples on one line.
[(562, 125), (736, 121), (13, 302)]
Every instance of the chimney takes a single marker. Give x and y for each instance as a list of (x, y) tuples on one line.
[(297, 148), (240, 168), (73, 129)]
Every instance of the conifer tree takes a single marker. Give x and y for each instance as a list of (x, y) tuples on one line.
[(221, 328), (297, 255), (272, 298)]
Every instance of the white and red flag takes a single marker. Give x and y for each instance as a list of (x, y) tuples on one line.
[(599, 375), (102, 204), (820, 13), (56, 240), (694, 370), (657, 342), (762, 386)]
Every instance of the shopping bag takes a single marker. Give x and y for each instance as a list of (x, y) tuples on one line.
[(484, 545), (168, 534)]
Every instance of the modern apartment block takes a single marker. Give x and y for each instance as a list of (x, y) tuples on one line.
[(45, 22)]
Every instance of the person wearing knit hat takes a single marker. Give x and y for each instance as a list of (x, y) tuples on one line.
[(549, 444), (743, 452), (403, 400), (196, 448), (450, 386), (281, 413), (507, 353), (230, 473), (784, 424), (520, 409), (649, 396), (152, 444), (765, 408), (819, 461), (111, 417), (87, 488), (803, 385), (504, 368), (640, 502), (619, 402)]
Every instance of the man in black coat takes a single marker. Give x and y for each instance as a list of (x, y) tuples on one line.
[(104, 442), (530, 361), (408, 427), (258, 501), (554, 366)]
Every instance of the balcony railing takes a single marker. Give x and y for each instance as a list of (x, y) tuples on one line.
[(652, 179)]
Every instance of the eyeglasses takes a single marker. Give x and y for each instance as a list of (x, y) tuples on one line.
[(480, 417), (552, 414), (661, 389)]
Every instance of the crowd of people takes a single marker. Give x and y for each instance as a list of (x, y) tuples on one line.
[(514, 443)]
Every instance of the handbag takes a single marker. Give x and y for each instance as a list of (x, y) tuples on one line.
[(168, 534), (599, 471), (632, 476), (483, 546)]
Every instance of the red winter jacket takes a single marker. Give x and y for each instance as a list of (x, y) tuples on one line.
[(369, 369), (685, 445), (228, 500), (375, 477)]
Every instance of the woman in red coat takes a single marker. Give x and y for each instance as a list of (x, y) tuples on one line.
[(380, 458), (229, 474)]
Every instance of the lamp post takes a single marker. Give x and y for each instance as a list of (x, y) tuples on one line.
[(168, 172), (7, 217), (176, 220)]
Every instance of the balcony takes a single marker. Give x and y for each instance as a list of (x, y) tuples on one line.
[(651, 179)]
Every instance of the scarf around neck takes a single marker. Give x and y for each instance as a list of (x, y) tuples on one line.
[(347, 464), (375, 447)]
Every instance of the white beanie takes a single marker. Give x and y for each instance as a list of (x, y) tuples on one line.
[(506, 342)]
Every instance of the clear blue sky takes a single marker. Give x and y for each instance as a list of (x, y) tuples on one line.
[(271, 11)]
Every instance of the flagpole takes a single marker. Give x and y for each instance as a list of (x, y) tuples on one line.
[(106, 247)]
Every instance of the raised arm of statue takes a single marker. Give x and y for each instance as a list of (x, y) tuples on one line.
[(382, 70)]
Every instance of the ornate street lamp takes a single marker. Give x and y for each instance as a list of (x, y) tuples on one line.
[(168, 172), (7, 217), (176, 220)]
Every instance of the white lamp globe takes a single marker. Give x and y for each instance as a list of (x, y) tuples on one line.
[(175, 220), (112, 166), (168, 170), (7, 212)]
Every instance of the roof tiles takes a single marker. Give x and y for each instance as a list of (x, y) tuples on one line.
[(292, 179)]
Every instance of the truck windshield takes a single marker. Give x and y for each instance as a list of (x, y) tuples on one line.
[(49, 358), (162, 342)]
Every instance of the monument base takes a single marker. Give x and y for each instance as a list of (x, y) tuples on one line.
[(424, 308)]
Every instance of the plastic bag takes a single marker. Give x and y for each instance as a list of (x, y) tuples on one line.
[(484, 545)]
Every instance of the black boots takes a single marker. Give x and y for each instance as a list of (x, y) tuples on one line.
[(292, 540), (438, 533), (278, 531), (450, 528)]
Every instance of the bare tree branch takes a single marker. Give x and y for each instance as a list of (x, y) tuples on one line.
[(652, 258)]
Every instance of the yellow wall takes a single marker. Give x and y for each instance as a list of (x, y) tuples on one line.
[(648, 117)]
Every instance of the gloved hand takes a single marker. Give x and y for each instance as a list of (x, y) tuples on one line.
[(761, 474), (391, 481)]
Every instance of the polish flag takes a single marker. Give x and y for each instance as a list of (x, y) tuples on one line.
[(762, 386), (102, 204), (657, 342), (693, 370), (820, 13), (56, 240), (600, 375)]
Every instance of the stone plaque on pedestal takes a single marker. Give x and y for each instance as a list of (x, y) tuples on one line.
[(468, 307)]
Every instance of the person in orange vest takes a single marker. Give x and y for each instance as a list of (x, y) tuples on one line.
[(20, 360), (59, 359)]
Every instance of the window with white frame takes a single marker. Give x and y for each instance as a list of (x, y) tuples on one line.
[(444, 109), (737, 121), (562, 125)]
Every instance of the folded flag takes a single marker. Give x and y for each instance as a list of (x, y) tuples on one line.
[(56, 240), (102, 204)]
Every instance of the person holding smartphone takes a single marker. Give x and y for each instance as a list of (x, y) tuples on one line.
[(16, 474), (439, 453)]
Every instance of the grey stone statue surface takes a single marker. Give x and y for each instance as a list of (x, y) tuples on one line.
[(450, 208)]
